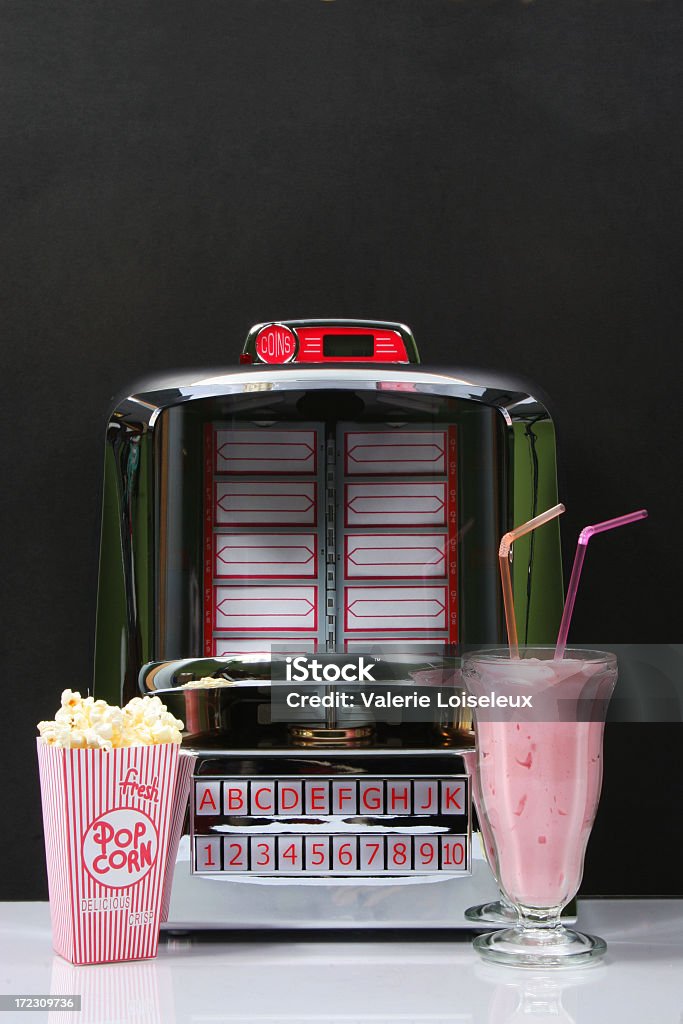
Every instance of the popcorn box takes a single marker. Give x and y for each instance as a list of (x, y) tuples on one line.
[(106, 819), (181, 795)]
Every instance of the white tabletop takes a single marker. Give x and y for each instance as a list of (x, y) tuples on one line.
[(342, 980)]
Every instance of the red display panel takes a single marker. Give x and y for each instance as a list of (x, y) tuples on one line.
[(388, 346)]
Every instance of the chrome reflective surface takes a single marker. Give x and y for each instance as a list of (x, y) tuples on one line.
[(150, 601)]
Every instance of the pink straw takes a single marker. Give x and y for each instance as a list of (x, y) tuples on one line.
[(584, 537)]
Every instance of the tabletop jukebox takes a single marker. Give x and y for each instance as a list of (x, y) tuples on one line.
[(329, 497)]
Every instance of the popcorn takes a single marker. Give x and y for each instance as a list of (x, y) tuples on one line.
[(95, 725), (205, 683)]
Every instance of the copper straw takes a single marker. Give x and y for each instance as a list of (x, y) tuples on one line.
[(506, 542)]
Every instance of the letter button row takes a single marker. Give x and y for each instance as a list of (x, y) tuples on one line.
[(348, 796)]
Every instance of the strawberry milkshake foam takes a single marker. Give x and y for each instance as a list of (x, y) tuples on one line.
[(540, 775)]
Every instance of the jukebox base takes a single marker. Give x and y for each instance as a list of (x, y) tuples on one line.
[(255, 903), (329, 839)]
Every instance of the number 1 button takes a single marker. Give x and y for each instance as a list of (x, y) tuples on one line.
[(208, 853)]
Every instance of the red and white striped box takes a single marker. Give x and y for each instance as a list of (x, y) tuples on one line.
[(106, 818), (181, 797)]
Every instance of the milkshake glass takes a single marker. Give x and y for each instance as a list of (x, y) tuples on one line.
[(539, 772), (498, 911)]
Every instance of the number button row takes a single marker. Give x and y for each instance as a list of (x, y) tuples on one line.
[(330, 854)]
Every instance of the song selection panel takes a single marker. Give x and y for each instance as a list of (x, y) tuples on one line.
[(398, 533), (263, 570), (335, 825), (275, 499)]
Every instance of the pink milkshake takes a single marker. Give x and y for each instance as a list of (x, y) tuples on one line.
[(497, 911), (540, 774), (470, 761)]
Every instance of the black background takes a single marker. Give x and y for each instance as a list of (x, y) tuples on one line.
[(505, 177)]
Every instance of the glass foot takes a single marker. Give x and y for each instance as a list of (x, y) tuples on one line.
[(496, 912), (540, 947)]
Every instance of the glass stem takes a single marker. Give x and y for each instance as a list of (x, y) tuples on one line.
[(544, 918)]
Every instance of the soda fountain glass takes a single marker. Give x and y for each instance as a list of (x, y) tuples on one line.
[(539, 730), (497, 911)]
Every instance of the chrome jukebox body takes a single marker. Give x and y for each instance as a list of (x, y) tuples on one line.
[(329, 497)]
